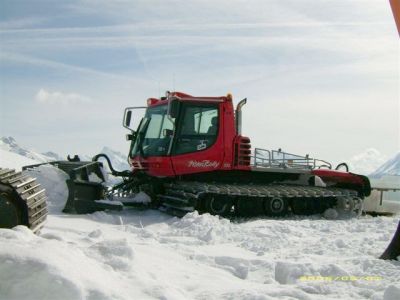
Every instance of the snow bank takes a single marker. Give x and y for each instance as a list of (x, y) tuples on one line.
[(54, 181), (53, 267), (392, 293), (206, 228), (148, 255)]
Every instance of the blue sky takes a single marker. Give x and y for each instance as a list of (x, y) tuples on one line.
[(321, 77)]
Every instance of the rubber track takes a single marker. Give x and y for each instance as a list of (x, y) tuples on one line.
[(183, 195), (28, 193)]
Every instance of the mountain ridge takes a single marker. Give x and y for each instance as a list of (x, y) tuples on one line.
[(9, 144)]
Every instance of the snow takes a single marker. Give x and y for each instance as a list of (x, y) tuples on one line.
[(10, 144), (153, 256), (14, 161), (119, 160), (54, 181), (109, 202), (366, 162), (391, 168), (146, 254)]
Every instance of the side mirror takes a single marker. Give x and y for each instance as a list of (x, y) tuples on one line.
[(128, 118), (131, 115), (173, 108)]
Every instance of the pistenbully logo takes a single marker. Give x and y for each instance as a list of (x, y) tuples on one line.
[(203, 164)]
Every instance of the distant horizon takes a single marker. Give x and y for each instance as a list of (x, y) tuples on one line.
[(367, 162)]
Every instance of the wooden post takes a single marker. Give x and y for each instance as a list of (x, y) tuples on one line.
[(393, 250), (396, 12)]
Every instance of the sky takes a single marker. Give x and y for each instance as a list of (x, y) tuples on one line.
[(321, 77)]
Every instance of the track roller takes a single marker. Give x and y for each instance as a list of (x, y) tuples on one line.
[(215, 205), (276, 207)]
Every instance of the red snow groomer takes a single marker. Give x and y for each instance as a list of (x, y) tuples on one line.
[(188, 153)]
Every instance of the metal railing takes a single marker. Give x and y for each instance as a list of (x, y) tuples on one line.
[(278, 159)]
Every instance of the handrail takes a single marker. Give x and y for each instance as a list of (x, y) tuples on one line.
[(278, 158)]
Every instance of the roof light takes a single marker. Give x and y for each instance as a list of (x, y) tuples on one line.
[(151, 101)]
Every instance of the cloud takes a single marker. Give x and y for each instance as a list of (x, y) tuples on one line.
[(291, 58), (22, 59), (54, 98), (21, 23)]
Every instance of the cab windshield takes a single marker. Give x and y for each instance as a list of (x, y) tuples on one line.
[(154, 133)]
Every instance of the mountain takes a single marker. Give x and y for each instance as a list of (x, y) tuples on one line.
[(390, 167), (15, 161), (118, 159), (53, 156), (366, 162), (10, 144)]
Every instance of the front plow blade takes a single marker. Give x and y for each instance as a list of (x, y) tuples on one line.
[(85, 186)]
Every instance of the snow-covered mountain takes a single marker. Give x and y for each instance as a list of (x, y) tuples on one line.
[(10, 144), (118, 159), (10, 150), (366, 162), (15, 161), (53, 156), (390, 167)]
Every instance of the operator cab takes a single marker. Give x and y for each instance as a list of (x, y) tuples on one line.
[(198, 128), (192, 127)]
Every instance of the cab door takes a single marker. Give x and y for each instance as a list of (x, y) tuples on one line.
[(198, 143)]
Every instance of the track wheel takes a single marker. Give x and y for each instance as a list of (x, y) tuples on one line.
[(10, 215), (276, 207), (215, 205)]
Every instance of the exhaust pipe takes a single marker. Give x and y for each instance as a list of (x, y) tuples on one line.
[(239, 116)]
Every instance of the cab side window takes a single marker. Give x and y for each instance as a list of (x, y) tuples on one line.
[(198, 130)]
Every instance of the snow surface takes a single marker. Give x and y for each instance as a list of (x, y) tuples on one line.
[(149, 255)]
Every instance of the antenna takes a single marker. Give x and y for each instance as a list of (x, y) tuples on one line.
[(173, 82)]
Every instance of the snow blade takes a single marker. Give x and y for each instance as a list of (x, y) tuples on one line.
[(393, 250), (85, 186)]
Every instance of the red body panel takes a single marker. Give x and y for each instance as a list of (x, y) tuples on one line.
[(157, 166), (332, 176), (219, 156)]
